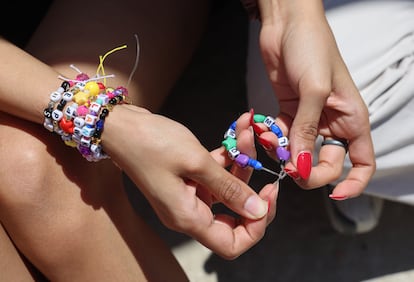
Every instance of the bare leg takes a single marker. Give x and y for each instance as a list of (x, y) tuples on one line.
[(71, 218), (14, 267)]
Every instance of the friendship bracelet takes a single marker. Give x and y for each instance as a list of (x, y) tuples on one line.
[(78, 108), (243, 160)]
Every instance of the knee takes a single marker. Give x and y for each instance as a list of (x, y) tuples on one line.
[(24, 162)]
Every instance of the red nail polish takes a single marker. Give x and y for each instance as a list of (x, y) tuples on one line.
[(256, 128), (292, 173), (265, 143), (338, 198), (304, 163), (251, 116)]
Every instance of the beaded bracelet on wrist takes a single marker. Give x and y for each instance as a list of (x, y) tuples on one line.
[(78, 108), (80, 114), (243, 160)]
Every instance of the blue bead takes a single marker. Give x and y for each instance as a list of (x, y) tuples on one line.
[(255, 164), (233, 125), (100, 124), (276, 130)]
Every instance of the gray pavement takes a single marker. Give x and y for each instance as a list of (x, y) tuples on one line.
[(300, 244)]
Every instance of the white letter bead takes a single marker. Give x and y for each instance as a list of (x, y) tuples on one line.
[(57, 115), (230, 133), (103, 98), (233, 153), (283, 141), (55, 96), (90, 119), (94, 107), (80, 85), (70, 112), (67, 96), (88, 131), (79, 122), (85, 141), (269, 121), (96, 148)]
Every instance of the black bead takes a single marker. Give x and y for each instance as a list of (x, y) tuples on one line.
[(65, 85)]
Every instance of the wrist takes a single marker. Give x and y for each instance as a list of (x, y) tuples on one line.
[(282, 12), (121, 125)]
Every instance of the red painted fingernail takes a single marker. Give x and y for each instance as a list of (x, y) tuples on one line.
[(251, 116), (338, 198), (292, 173), (304, 163), (265, 143), (256, 128)]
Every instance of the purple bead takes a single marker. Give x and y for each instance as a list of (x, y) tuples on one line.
[(282, 153), (242, 160), (84, 150)]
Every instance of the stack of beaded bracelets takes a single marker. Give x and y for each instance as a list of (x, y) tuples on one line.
[(77, 111), (230, 143)]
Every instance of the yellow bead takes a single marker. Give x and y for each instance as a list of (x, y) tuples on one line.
[(92, 88), (71, 143)]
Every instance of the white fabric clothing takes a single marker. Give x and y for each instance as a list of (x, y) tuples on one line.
[(376, 40)]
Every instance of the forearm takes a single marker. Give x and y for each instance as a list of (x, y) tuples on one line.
[(283, 11), (25, 83)]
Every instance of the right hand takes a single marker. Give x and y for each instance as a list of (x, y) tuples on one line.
[(182, 180)]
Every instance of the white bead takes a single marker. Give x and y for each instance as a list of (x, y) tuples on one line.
[(55, 96), (66, 137), (85, 141), (233, 153), (269, 121), (77, 132), (70, 112), (48, 125), (230, 133), (60, 89), (76, 137), (67, 96), (104, 98), (79, 122), (283, 141), (80, 85), (57, 115), (94, 107), (90, 119), (88, 131)]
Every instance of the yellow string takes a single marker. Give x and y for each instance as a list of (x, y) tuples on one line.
[(102, 59)]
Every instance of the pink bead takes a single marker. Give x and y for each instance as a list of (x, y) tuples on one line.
[(82, 111)]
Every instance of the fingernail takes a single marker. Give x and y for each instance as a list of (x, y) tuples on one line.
[(256, 128), (265, 143), (304, 163), (338, 197), (256, 207), (292, 173)]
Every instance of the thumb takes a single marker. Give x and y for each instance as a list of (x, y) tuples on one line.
[(231, 191), (303, 133)]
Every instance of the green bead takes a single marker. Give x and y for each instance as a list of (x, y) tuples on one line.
[(259, 118), (229, 143)]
